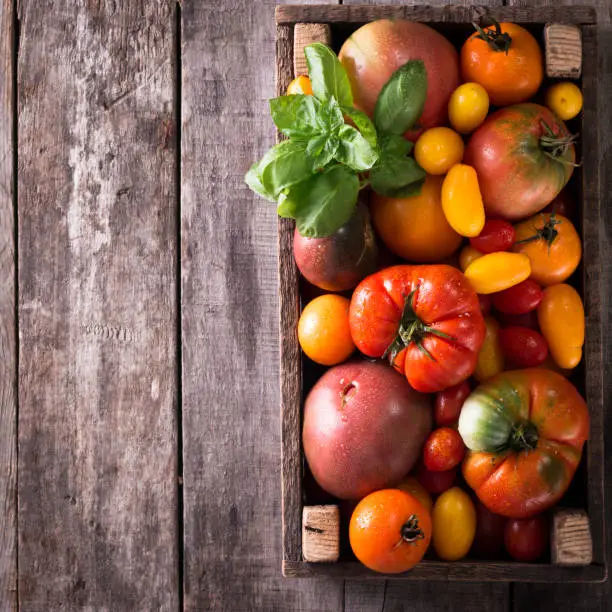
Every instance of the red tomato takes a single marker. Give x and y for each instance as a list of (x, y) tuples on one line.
[(521, 298), (484, 299), (529, 319), (448, 404), (443, 450), (496, 235), (426, 319), (524, 155), (526, 539), (523, 347), (489, 538), (435, 482)]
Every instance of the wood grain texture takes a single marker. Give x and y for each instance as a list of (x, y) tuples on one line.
[(321, 534), (230, 331), (563, 50), (97, 308), (8, 365), (303, 35), (570, 538)]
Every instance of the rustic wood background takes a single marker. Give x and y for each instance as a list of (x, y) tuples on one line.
[(139, 421)]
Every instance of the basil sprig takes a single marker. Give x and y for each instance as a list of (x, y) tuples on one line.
[(314, 175)]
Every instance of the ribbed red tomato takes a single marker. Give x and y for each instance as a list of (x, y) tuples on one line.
[(425, 319)]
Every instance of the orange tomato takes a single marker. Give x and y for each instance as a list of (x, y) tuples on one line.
[(300, 85), (411, 485), (553, 246), (415, 228), (390, 531), (323, 330), (506, 60)]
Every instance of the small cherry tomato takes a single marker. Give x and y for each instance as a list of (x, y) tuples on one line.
[(520, 299), (467, 255), (498, 271), (443, 450), (485, 303), (564, 99), (561, 319), (529, 319), (462, 201), (523, 347), (564, 204), (526, 539), (468, 107), (300, 85), (454, 524), (438, 149), (448, 404), (491, 358), (553, 246), (496, 235), (489, 538), (435, 482), (411, 485)]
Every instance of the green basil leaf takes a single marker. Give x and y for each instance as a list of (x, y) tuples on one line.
[(393, 173), (322, 149), (282, 166), (253, 180), (330, 116), (408, 191), (328, 77), (354, 150), (296, 116), (395, 146), (401, 100), (323, 203), (363, 123)]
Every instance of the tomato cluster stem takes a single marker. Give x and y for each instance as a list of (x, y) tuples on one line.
[(495, 38)]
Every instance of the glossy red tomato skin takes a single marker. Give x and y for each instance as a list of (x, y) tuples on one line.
[(443, 450), (447, 406), (435, 482), (496, 235), (526, 539), (443, 300), (529, 319), (523, 347), (520, 299), (516, 178), (490, 528)]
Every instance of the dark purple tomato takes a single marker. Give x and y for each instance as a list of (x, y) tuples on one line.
[(527, 539), (523, 347), (520, 299)]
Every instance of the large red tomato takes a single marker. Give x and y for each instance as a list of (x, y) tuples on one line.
[(524, 156), (526, 430), (426, 319), (376, 50)]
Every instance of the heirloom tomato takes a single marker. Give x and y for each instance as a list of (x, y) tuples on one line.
[(462, 202), (468, 107), (506, 60), (448, 404), (523, 347), (425, 319), (489, 538), (526, 430), (454, 524), (524, 155), (520, 299), (491, 358), (564, 99), (438, 149), (553, 246), (497, 271), (443, 450), (527, 539), (390, 531)]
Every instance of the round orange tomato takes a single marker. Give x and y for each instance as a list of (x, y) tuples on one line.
[(323, 330), (553, 246), (300, 85), (390, 531), (415, 228), (506, 60)]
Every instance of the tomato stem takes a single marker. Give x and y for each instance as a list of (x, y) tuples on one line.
[(496, 39), (547, 232), (411, 531), (524, 437), (555, 146)]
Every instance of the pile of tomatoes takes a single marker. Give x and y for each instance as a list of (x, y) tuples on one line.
[(497, 233)]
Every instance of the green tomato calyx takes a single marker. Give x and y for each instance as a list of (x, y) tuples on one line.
[(524, 437), (411, 531)]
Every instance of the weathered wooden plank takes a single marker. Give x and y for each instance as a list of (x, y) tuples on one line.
[(364, 595), (230, 348), (97, 306), (8, 351)]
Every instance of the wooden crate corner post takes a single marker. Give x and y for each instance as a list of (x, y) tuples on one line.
[(563, 49), (305, 34), (321, 534), (570, 538)]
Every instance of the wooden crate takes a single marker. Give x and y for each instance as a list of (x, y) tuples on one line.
[(455, 21)]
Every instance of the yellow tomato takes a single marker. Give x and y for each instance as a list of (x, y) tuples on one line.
[(564, 99), (467, 256), (491, 358), (561, 319), (454, 524), (462, 201), (300, 85), (498, 271), (437, 150), (468, 107), (411, 485)]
